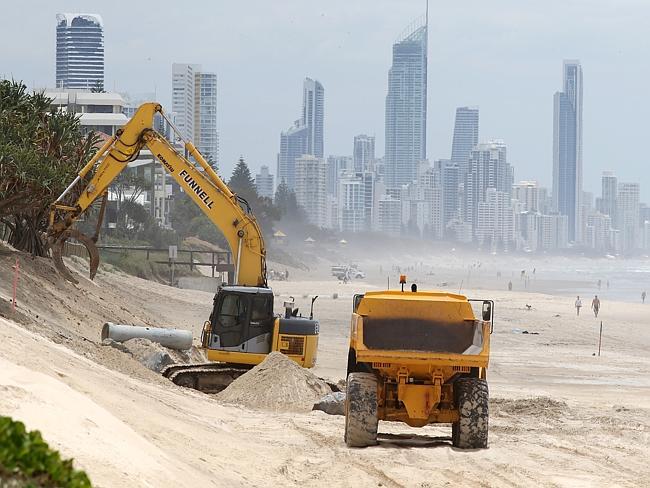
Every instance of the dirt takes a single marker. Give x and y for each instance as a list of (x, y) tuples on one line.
[(277, 384), (560, 416)]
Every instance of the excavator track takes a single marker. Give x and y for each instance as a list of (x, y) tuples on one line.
[(207, 377)]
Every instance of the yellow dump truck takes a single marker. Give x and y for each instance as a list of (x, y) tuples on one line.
[(418, 357)]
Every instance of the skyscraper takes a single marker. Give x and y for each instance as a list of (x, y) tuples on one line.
[(205, 129), (465, 136), (608, 196), (567, 149), (184, 98), (488, 168), (79, 51), (363, 152), (306, 134), (194, 104), (310, 187), (628, 215), (313, 115), (406, 106)]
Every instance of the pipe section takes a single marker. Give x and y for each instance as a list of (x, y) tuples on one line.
[(171, 338)]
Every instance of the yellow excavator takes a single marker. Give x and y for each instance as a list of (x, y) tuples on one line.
[(242, 329)]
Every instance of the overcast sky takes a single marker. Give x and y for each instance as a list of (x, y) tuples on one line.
[(503, 55)]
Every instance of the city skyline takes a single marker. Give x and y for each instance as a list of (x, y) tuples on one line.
[(519, 78)]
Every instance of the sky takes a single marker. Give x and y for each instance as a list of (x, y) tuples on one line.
[(504, 56)]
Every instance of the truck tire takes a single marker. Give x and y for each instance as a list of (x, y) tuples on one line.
[(361, 410), (471, 430)]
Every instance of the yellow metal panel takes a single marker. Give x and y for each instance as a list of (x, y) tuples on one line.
[(419, 400), (440, 306)]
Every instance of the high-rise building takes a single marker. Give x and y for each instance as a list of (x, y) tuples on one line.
[(313, 115), (465, 136), (305, 136), (608, 195), (363, 152), (628, 215), (310, 188), (527, 192), (488, 168), (336, 166), (553, 231), (205, 120), (264, 183), (389, 215), (406, 106), (79, 51), (184, 98), (567, 149), (351, 203), (194, 105), (449, 185)]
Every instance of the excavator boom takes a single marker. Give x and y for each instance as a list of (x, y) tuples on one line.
[(201, 183)]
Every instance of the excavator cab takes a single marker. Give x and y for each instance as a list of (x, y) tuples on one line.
[(242, 320), (243, 329)]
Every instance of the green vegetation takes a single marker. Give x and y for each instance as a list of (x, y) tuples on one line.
[(26, 460), (41, 151)]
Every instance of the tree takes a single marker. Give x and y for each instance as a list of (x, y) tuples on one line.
[(41, 151), (287, 205), (242, 183)]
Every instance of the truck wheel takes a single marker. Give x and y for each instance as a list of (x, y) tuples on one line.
[(471, 430), (361, 410)]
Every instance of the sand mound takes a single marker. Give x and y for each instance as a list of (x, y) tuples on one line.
[(277, 384), (534, 407)]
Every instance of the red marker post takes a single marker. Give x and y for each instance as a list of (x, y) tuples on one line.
[(16, 273)]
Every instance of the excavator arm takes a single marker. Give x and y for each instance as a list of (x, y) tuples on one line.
[(201, 183)]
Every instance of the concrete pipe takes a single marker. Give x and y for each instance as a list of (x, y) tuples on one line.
[(171, 338)]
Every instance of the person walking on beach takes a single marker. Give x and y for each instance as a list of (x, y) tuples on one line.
[(578, 305), (595, 305), (643, 297)]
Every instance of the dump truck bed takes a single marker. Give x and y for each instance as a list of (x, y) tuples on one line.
[(436, 328)]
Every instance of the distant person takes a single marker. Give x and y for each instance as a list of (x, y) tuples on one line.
[(509, 285), (643, 297), (595, 305), (599, 284), (286, 274), (578, 305)]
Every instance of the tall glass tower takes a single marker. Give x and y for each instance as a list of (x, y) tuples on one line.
[(465, 136), (406, 106), (79, 51), (567, 149)]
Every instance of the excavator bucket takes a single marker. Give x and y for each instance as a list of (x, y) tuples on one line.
[(57, 253)]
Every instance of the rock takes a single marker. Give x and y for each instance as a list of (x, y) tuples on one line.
[(149, 354), (116, 345), (332, 403)]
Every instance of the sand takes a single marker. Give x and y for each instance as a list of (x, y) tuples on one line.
[(560, 415), (277, 384)]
